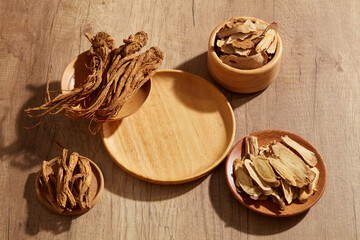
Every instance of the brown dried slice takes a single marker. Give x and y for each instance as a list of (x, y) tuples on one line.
[(61, 197), (244, 181), (237, 36), (301, 172), (246, 27), (277, 199), (263, 168), (253, 145), (265, 187), (245, 44), (284, 172), (67, 178), (85, 168), (307, 155), (250, 62), (229, 49), (306, 192), (49, 189)]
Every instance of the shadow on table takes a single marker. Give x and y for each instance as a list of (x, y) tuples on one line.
[(31, 147), (235, 215), (198, 66), (38, 217)]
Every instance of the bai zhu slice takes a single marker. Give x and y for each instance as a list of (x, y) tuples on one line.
[(246, 44), (276, 171)]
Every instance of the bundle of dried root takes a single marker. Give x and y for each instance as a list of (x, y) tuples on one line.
[(68, 186), (245, 44), (117, 74), (284, 171)]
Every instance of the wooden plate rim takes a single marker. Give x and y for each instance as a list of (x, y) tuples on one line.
[(200, 174)]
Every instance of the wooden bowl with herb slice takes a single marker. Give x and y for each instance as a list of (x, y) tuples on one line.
[(276, 173), (244, 54), (70, 184)]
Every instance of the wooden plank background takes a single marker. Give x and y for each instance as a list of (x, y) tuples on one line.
[(316, 96)]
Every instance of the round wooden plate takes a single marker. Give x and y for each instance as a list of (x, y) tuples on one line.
[(268, 207), (183, 131), (96, 188), (77, 72)]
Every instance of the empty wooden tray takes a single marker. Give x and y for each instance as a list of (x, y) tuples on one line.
[(268, 207), (182, 132)]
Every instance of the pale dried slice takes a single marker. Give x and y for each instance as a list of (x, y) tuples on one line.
[(277, 199), (265, 150), (253, 145), (242, 44), (284, 172), (220, 43), (244, 180), (250, 62), (263, 168), (307, 155), (302, 173), (269, 36), (272, 47), (266, 41), (265, 187), (247, 27), (306, 192), (287, 190)]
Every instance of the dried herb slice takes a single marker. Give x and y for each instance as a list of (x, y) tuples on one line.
[(263, 168), (307, 155)]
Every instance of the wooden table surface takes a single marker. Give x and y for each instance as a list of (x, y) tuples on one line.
[(316, 96)]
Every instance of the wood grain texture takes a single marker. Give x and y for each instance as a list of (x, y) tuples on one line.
[(316, 96), (182, 132)]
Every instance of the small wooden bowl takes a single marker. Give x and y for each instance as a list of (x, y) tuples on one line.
[(242, 81), (268, 207), (77, 72), (96, 189)]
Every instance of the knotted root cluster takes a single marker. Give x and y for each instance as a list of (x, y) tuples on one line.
[(67, 187), (116, 76)]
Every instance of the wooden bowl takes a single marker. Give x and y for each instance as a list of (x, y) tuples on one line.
[(242, 81), (268, 207), (96, 188), (77, 72)]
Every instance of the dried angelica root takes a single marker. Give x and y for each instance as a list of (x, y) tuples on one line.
[(67, 187), (85, 169), (116, 76), (276, 171), (48, 188)]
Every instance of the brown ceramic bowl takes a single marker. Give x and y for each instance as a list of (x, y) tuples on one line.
[(96, 188), (268, 207), (76, 72), (242, 81)]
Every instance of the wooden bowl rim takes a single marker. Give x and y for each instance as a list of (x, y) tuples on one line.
[(266, 67), (97, 173), (232, 187)]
